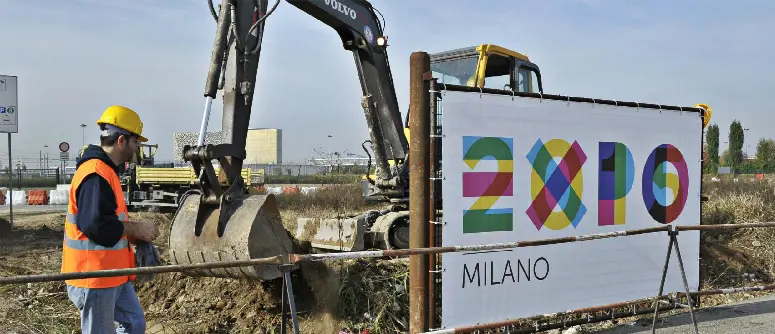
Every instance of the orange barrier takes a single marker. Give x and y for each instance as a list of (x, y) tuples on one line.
[(2, 198), (291, 190), (37, 197)]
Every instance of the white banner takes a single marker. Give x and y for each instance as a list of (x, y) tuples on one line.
[(530, 169)]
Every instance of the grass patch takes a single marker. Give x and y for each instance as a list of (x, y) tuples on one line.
[(740, 257)]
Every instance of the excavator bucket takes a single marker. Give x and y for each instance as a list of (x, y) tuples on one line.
[(338, 234), (371, 229), (253, 229)]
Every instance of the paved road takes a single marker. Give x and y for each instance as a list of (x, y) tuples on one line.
[(23, 209), (747, 317)]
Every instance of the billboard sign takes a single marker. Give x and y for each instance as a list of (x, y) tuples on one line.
[(520, 168)]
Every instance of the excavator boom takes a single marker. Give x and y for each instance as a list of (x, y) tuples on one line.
[(214, 225), (361, 32)]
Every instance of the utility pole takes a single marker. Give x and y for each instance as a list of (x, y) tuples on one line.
[(45, 159), (330, 165), (83, 135), (745, 141)]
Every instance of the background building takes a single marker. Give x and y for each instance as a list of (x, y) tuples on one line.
[(263, 146)]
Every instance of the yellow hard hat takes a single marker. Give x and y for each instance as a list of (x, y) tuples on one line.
[(706, 115), (124, 118)]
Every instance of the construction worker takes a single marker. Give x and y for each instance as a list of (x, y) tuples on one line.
[(98, 232)]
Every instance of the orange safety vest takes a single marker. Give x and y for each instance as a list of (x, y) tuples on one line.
[(80, 254)]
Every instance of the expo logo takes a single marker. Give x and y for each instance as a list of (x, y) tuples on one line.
[(557, 182)]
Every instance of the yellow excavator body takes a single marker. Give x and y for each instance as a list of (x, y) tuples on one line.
[(484, 61)]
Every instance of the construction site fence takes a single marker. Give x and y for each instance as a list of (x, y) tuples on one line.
[(560, 319), (323, 168), (26, 178)]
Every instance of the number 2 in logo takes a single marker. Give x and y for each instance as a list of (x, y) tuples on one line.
[(488, 186)]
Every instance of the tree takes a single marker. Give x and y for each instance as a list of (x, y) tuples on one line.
[(736, 140), (724, 158), (713, 144), (765, 155)]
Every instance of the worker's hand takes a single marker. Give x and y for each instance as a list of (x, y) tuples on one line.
[(142, 231)]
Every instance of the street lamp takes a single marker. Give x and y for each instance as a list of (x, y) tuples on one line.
[(745, 140), (83, 135), (42, 162)]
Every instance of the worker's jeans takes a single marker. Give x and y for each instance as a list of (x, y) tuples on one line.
[(101, 307)]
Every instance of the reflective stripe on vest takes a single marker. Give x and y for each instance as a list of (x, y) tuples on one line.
[(80, 254), (91, 245)]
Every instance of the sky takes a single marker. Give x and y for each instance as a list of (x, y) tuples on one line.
[(74, 58)]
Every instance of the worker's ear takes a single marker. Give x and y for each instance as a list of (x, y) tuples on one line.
[(123, 141)]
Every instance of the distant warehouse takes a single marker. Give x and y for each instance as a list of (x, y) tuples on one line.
[(264, 146)]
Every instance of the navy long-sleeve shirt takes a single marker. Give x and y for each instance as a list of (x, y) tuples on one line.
[(96, 203)]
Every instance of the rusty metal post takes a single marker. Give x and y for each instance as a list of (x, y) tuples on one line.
[(419, 179)]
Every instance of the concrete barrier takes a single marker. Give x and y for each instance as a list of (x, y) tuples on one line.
[(19, 197), (58, 197)]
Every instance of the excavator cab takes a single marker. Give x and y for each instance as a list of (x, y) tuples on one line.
[(487, 66)]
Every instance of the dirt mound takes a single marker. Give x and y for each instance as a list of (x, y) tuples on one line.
[(34, 247), (329, 297)]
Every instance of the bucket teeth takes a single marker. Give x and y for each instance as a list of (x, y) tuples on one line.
[(253, 230)]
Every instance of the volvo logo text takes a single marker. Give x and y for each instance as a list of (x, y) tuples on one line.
[(342, 8)]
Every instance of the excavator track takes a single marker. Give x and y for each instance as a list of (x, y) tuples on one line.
[(254, 229)]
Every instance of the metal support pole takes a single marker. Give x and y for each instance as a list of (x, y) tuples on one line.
[(674, 243), (10, 180), (674, 237), (432, 194), (288, 297), (662, 284), (419, 179)]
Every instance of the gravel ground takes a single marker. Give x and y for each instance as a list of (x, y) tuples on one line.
[(755, 315)]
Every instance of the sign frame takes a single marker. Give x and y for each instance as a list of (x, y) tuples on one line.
[(9, 104), (494, 286)]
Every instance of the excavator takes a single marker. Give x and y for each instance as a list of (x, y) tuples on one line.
[(214, 224)]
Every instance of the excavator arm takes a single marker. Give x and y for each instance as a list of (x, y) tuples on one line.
[(213, 224), (233, 68)]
